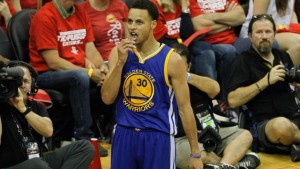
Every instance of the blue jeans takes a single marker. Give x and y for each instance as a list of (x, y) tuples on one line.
[(77, 84), (203, 59), (226, 53)]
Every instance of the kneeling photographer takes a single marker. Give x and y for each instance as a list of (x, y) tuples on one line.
[(24, 122), (223, 147)]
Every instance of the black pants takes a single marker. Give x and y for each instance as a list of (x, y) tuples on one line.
[(77, 155)]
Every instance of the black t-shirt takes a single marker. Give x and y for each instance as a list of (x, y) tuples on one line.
[(199, 102), (11, 150), (277, 99)]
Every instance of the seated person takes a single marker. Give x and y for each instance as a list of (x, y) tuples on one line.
[(172, 16), (258, 79), (222, 16), (234, 144), (6, 12), (23, 123), (107, 19), (67, 59)]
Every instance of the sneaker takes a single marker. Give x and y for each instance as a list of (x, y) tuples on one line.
[(225, 116), (102, 151), (250, 161), (219, 166), (295, 153)]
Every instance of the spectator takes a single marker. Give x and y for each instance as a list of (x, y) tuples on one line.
[(23, 123), (66, 58), (107, 19), (140, 72), (28, 4), (258, 79), (172, 15), (6, 12), (234, 143), (222, 16), (285, 19)]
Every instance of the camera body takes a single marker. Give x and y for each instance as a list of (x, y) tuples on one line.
[(209, 135), (292, 75), (10, 80)]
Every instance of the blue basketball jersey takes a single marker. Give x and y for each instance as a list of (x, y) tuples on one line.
[(146, 98)]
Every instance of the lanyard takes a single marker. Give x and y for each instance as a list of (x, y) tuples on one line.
[(24, 138), (270, 66)]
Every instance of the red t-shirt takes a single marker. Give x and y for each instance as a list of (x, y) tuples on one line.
[(50, 31), (168, 24), (12, 11), (29, 4), (194, 8), (108, 25), (208, 6)]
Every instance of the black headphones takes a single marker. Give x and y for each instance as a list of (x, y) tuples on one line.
[(34, 74)]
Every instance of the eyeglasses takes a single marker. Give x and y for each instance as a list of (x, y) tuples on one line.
[(268, 16)]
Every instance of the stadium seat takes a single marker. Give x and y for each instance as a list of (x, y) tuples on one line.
[(5, 46)]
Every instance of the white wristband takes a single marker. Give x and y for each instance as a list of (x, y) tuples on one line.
[(188, 76)]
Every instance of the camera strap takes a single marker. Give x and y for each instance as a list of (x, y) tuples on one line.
[(28, 143)]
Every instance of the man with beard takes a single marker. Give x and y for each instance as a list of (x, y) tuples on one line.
[(258, 79)]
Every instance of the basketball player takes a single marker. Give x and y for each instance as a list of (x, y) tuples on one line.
[(147, 82)]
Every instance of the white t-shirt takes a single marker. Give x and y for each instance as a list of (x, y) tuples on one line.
[(283, 20)]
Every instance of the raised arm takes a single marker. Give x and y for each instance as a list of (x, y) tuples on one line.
[(177, 72), (116, 62), (43, 125)]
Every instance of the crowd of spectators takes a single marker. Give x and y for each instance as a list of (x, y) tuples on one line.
[(75, 39)]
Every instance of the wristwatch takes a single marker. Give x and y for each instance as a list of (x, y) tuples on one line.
[(187, 10)]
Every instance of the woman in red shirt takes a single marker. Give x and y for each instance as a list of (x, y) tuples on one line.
[(107, 18)]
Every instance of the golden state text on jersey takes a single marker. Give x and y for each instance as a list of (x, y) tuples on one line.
[(138, 90)]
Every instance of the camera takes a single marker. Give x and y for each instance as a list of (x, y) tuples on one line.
[(10, 80), (292, 75), (209, 135), (210, 138)]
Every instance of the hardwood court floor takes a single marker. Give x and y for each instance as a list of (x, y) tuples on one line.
[(267, 161)]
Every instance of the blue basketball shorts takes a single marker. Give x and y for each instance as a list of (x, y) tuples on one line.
[(134, 148)]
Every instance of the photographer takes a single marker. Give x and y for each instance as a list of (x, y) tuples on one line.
[(230, 151), (259, 79), (23, 124)]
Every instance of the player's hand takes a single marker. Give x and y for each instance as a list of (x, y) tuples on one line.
[(195, 163), (123, 47)]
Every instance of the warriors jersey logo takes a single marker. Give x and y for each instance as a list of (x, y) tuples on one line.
[(138, 91)]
